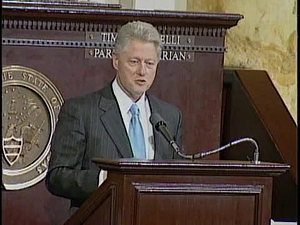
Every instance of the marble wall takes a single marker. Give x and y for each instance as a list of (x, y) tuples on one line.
[(266, 39)]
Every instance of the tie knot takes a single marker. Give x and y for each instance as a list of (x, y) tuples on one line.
[(134, 109)]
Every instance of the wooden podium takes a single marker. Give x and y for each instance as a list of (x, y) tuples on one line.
[(181, 192)]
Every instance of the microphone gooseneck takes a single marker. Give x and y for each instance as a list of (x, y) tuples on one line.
[(160, 125)]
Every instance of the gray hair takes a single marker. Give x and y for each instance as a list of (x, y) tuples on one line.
[(137, 30)]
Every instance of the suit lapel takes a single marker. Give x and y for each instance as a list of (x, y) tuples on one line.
[(112, 121), (161, 144)]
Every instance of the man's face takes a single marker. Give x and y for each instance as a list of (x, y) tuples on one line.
[(136, 68)]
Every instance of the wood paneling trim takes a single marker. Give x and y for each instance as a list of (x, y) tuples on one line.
[(19, 9), (33, 24)]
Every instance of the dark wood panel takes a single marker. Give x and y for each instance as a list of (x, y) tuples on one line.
[(253, 108), (34, 205), (165, 209), (66, 68), (273, 113)]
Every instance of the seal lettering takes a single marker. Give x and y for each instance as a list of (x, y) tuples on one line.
[(7, 76), (31, 105)]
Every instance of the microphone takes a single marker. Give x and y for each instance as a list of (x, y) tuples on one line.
[(160, 125)]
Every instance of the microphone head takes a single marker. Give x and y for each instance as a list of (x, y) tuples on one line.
[(156, 120)]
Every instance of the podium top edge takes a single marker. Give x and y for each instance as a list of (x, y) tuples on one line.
[(192, 166), (196, 162)]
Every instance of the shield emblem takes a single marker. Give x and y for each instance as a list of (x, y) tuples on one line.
[(12, 148)]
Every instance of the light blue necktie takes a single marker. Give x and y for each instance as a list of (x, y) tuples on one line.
[(136, 134)]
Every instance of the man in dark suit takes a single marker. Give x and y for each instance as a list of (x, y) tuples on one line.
[(101, 124)]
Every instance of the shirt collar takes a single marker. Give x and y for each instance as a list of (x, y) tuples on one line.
[(123, 100)]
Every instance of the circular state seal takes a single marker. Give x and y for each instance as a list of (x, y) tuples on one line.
[(30, 107)]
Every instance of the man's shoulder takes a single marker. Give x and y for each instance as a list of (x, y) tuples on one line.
[(161, 105), (89, 97)]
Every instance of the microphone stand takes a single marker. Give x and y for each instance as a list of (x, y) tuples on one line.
[(203, 154)]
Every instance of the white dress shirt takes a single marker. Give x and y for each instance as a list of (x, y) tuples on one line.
[(125, 103)]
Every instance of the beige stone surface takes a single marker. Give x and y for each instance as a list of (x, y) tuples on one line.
[(266, 39)]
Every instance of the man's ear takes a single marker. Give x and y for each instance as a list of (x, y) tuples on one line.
[(115, 61)]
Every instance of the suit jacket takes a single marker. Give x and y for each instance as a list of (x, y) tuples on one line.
[(92, 126)]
